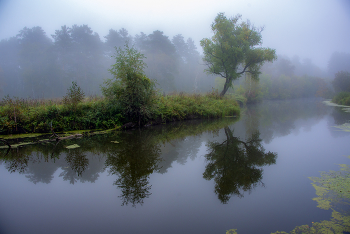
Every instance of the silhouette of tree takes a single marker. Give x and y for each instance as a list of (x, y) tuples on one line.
[(235, 165), (133, 161)]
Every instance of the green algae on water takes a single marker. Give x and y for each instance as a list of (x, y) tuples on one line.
[(72, 146)]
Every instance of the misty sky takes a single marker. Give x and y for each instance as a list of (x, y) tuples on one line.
[(307, 28)]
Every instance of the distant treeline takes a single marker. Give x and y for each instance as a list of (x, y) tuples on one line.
[(37, 66), (34, 65), (288, 78)]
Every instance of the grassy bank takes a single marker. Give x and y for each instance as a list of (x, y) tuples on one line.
[(36, 116), (342, 98)]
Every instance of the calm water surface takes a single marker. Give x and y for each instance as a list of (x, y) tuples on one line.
[(250, 174)]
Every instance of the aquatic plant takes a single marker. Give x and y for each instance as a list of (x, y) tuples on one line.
[(344, 127), (333, 192)]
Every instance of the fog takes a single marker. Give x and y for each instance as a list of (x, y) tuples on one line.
[(310, 29), (304, 32)]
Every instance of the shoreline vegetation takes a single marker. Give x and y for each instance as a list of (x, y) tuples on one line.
[(342, 98), (130, 99), (97, 113)]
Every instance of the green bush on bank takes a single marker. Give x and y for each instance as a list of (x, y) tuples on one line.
[(342, 98), (130, 88)]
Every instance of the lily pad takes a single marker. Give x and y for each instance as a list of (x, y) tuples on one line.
[(115, 141), (72, 146), (344, 127)]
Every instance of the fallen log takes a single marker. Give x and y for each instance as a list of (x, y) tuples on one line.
[(3, 140)]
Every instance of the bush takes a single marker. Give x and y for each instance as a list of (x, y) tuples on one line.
[(74, 96), (131, 90), (342, 98)]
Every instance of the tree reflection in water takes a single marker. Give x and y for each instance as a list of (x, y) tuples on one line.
[(133, 161), (77, 164), (234, 164)]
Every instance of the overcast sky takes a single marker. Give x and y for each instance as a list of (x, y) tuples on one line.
[(306, 28)]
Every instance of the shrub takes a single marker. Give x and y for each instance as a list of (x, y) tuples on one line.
[(342, 98), (74, 96), (131, 89)]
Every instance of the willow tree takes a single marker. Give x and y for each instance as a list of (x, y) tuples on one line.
[(234, 49)]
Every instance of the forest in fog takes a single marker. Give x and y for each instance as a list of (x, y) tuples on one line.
[(36, 65), (32, 64)]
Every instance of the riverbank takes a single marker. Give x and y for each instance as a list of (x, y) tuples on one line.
[(342, 98), (38, 116)]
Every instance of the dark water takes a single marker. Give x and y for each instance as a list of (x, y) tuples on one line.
[(250, 174)]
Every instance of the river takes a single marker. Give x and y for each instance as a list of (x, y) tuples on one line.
[(202, 176)]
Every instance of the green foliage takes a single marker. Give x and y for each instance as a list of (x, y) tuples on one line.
[(95, 113), (232, 50), (341, 82), (74, 96), (184, 106), (342, 98), (13, 113), (131, 89), (90, 114)]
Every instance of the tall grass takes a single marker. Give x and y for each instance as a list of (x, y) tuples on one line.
[(37, 115), (189, 106)]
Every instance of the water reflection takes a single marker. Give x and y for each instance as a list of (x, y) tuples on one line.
[(18, 163), (234, 160), (280, 118), (77, 164), (133, 161), (235, 165)]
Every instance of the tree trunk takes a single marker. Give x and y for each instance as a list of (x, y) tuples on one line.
[(226, 87)]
